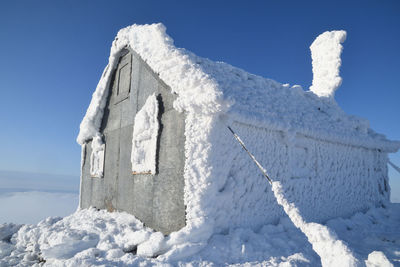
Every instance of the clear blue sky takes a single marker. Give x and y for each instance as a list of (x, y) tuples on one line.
[(52, 54)]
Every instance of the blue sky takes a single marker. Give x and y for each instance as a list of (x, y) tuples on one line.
[(52, 54)]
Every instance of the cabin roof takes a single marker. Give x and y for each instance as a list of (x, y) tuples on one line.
[(213, 88)]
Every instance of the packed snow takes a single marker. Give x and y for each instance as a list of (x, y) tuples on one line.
[(92, 237), (144, 138)]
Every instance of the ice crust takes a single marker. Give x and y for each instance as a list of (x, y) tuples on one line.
[(144, 138), (326, 61)]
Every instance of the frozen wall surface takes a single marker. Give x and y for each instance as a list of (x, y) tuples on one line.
[(330, 163), (324, 179), (140, 121)]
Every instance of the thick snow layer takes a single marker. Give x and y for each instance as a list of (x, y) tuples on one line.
[(209, 88), (294, 157), (325, 54), (325, 180), (97, 157), (144, 138), (91, 237)]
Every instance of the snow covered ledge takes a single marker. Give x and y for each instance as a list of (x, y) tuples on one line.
[(325, 53)]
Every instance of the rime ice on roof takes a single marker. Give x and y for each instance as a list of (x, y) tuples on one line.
[(208, 87)]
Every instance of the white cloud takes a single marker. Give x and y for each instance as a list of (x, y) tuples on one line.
[(32, 207)]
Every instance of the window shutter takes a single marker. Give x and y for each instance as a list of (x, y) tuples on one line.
[(144, 138)]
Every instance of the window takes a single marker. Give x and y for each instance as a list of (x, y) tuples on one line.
[(123, 78), (144, 139), (97, 157)]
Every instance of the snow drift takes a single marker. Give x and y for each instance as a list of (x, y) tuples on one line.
[(91, 237)]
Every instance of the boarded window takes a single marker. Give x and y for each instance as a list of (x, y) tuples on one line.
[(144, 139), (123, 78), (97, 157)]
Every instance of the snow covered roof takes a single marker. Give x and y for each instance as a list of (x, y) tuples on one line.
[(213, 88)]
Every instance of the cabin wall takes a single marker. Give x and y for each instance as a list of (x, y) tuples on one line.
[(157, 200), (323, 179), (331, 179), (242, 195)]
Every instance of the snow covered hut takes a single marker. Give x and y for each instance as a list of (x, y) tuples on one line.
[(155, 141)]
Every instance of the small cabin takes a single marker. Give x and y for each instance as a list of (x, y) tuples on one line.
[(155, 141)]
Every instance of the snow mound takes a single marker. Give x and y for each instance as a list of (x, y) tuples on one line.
[(326, 61), (90, 237), (84, 238)]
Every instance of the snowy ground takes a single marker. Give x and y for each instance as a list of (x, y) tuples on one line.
[(91, 237)]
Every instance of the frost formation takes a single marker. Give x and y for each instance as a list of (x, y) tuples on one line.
[(144, 138), (326, 61)]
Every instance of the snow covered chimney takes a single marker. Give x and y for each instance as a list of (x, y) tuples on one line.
[(325, 54)]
